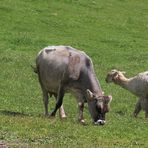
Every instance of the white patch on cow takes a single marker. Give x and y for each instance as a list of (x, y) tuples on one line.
[(50, 47)]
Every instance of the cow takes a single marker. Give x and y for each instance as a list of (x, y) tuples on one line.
[(63, 69)]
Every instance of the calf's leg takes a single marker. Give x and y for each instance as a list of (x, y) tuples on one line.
[(137, 108), (145, 106)]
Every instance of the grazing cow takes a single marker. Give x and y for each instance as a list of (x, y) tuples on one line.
[(62, 69)]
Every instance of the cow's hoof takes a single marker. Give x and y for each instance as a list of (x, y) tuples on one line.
[(134, 115), (51, 115), (63, 117), (46, 114), (82, 122)]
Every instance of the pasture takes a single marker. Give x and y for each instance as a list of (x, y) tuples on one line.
[(114, 33)]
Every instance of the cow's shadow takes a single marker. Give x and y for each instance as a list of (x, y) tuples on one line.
[(14, 113)]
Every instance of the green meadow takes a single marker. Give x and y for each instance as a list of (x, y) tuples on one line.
[(114, 33)]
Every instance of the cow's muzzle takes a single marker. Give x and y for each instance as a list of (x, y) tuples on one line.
[(100, 122)]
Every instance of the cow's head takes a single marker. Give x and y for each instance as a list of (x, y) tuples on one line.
[(98, 107)]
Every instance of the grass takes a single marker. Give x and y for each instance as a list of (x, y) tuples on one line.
[(114, 33)]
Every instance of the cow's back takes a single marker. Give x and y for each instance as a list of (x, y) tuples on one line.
[(52, 64)]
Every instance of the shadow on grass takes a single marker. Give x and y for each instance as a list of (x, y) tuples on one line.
[(21, 114), (13, 113)]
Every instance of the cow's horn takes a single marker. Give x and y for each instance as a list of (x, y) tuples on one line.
[(89, 94)]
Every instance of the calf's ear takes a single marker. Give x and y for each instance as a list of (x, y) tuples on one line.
[(123, 72), (74, 66)]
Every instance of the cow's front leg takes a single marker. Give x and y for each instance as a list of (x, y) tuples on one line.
[(80, 109), (62, 112)]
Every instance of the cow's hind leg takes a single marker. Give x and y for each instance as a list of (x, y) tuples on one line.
[(45, 96), (59, 100), (45, 101), (61, 110)]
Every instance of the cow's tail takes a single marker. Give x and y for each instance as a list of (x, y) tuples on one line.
[(34, 69)]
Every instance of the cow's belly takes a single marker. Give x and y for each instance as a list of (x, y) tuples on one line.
[(51, 84), (51, 75)]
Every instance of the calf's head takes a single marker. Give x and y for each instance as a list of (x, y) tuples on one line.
[(98, 107), (115, 76)]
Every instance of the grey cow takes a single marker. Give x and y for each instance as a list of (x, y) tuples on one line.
[(64, 69)]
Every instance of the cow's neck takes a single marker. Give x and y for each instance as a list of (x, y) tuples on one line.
[(93, 85)]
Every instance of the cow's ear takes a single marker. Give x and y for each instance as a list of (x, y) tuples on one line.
[(108, 99), (90, 95), (74, 66)]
